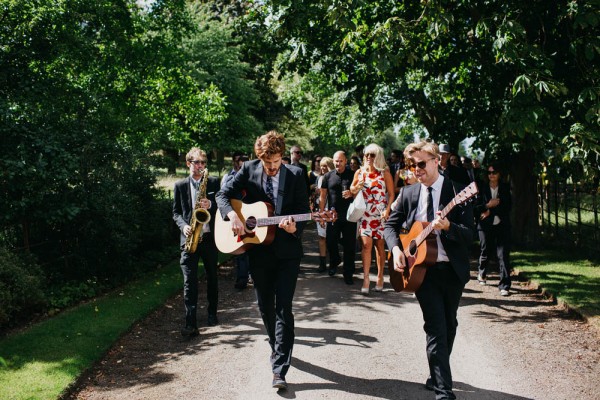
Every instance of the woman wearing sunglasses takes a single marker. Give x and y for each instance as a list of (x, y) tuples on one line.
[(375, 182), (493, 227)]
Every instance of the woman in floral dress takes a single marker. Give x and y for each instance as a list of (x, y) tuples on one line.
[(375, 182)]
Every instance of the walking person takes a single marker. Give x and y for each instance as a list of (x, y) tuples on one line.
[(184, 203), (295, 159), (375, 183), (326, 165), (442, 286), (335, 192), (493, 227), (275, 266)]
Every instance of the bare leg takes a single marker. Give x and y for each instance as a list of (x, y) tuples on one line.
[(380, 257), (322, 246), (367, 245)]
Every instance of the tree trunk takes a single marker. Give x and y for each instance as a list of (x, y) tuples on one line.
[(526, 229), (172, 160)]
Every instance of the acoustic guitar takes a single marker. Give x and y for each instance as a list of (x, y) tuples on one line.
[(260, 225), (420, 247)]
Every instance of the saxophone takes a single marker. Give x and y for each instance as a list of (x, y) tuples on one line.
[(200, 216)]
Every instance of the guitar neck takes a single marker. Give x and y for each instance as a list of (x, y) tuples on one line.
[(275, 220)]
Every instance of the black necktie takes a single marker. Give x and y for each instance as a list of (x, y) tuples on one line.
[(429, 205), (269, 190)]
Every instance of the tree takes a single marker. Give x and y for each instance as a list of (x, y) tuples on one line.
[(519, 77)]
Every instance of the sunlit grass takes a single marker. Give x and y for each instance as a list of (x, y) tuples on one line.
[(566, 275), (43, 361)]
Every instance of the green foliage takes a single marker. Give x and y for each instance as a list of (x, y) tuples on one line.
[(519, 77), (69, 293), (79, 83), (21, 291)]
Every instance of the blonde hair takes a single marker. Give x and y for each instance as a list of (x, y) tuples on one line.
[(328, 161), (379, 162), (195, 151), (428, 147)]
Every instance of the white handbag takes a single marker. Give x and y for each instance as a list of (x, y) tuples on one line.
[(357, 208)]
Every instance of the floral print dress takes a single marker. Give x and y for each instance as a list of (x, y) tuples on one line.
[(375, 195)]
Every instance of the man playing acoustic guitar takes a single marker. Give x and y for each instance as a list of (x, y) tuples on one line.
[(274, 267), (441, 289)]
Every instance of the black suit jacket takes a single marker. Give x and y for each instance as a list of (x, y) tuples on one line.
[(502, 210), (182, 203), (457, 174), (456, 241), (304, 169), (248, 182)]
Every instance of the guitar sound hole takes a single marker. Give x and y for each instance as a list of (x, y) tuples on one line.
[(412, 248), (250, 224)]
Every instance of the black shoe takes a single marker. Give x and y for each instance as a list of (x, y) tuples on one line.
[(189, 332), (279, 382), (349, 280), (322, 264), (429, 383), (212, 320)]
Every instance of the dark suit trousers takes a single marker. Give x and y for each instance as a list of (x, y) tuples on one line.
[(438, 297), (275, 284), (495, 238), (347, 231), (206, 250)]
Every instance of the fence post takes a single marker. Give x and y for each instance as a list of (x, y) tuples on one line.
[(595, 207), (541, 201), (578, 205), (566, 197), (556, 208)]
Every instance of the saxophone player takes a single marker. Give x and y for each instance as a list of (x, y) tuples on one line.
[(186, 194)]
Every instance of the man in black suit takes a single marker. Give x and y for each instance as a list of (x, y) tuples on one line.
[(335, 192), (453, 172), (442, 286), (184, 202), (274, 267)]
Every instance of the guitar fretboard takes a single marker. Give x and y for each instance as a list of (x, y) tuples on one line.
[(277, 219)]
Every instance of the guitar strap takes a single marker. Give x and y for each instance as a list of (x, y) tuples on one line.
[(282, 174)]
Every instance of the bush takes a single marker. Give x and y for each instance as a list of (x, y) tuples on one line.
[(21, 291)]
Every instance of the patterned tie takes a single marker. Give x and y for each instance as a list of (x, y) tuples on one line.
[(269, 190), (429, 205)]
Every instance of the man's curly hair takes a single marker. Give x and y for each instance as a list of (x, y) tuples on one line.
[(269, 144)]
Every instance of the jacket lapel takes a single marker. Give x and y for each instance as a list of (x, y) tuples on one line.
[(414, 204)]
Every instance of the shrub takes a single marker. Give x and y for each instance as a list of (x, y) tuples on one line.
[(20, 287)]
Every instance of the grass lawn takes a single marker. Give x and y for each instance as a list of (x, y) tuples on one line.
[(566, 275), (44, 360)]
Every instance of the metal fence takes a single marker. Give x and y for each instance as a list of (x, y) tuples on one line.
[(569, 212)]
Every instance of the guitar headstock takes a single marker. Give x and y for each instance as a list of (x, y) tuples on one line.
[(467, 193), (325, 216)]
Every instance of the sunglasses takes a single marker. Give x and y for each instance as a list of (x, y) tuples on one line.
[(420, 164), (492, 172), (369, 155), (297, 152), (196, 162)]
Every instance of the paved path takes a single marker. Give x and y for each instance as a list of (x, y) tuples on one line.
[(349, 346)]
